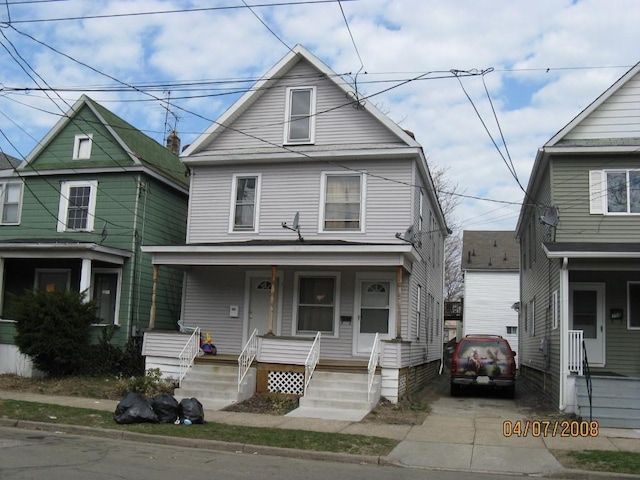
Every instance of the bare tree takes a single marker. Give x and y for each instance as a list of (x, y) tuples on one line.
[(449, 197)]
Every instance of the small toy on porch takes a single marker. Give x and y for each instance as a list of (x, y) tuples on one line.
[(208, 346)]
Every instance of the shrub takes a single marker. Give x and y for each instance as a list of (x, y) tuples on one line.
[(53, 329), (150, 385)]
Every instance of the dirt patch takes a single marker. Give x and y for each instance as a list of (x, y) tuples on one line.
[(265, 404), (90, 387)]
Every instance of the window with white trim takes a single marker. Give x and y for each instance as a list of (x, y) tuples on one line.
[(77, 206), (342, 200), (316, 303), (11, 202), (82, 146), (246, 193), (633, 308), (555, 308), (614, 192), (512, 330), (300, 115), (420, 212)]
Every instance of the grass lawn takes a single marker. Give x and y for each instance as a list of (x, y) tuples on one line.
[(275, 437), (600, 461)]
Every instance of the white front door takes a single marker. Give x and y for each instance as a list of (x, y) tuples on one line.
[(374, 313), (586, 313), (259, 304)]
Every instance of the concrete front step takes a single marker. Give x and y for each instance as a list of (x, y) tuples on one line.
[(342, 391), (216, 386), (615, 401)]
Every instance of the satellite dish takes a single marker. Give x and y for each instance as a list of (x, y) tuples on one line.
[(408, 236), (295, 226), (550, 217)]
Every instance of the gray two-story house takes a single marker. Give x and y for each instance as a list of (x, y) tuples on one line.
[(314, 239), (579, 232), (74, 215)]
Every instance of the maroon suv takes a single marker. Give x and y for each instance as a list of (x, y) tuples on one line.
[(483, 361)]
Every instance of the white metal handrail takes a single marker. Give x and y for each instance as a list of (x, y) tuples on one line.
[(576, 358), (374, 359), (247, 356), (311, 362), (189, 352)]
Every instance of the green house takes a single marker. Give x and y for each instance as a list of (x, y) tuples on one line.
[(74, 216)]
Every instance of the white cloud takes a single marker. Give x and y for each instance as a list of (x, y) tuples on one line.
[(397, 40)]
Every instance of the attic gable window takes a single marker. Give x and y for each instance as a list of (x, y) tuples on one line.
[(82, 147), (300, 115)]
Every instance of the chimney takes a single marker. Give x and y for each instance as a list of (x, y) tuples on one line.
[(173, 142)]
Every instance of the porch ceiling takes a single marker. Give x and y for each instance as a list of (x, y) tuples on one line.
[(57, 249), (289, 254)]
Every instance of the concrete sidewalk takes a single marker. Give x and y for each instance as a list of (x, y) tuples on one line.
[(464, 434)]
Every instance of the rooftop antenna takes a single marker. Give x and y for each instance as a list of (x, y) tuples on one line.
[(295, 227)]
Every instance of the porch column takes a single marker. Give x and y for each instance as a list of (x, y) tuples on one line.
[(85, 279), (272, 299), (564, 332), (399, 304), (154, 294)]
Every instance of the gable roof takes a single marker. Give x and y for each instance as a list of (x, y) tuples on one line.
[(7, 162), (143, 150), (593, 106), (270, 78), (490, 250), (554, 145)]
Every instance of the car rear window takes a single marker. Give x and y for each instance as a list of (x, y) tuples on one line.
[(481, 357)]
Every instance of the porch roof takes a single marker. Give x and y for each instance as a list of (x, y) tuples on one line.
[(288, 253), (591, 250), (55, 248)]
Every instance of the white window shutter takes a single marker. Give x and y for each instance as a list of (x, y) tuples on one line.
[(597, 192)]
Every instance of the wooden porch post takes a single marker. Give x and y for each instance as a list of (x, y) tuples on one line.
[(399, 305), (154, 294), (272, 299)]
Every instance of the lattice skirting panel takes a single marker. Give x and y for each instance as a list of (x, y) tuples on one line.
[(289, 383)]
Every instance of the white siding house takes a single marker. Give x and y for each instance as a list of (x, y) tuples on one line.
[(490, 264), (313, 213)]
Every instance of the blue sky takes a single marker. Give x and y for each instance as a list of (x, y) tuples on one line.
[(549, 60)]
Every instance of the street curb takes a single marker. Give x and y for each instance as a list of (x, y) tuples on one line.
[(570, 474), (202, 444)]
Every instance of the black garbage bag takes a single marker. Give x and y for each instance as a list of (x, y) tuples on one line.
[(135, 408), (191, 409), (166, 408)]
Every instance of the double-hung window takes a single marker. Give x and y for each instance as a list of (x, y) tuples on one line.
[(246, 193), (614, 192), (82, 146), (77, 207), (342, 197), (300, 115), (11, 197), (316, 303)]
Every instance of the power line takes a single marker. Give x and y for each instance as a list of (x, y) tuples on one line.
[(166, 12)]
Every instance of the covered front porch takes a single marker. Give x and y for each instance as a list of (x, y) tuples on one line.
[(598, 310)]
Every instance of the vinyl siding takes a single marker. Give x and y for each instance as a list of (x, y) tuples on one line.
[(617, 117), (337, 122), (571, 195), (539, 278), (488, 298), (290, 188)]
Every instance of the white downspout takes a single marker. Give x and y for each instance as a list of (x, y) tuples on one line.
[(564, 332)]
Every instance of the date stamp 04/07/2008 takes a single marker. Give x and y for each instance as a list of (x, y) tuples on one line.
[(550, 428)]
